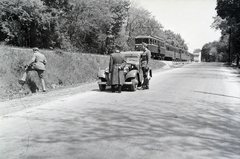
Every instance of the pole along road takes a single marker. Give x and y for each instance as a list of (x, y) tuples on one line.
[(192, 112)]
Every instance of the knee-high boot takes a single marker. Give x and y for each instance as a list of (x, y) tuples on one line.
[(119, 88), (43, 85), (113, 88)]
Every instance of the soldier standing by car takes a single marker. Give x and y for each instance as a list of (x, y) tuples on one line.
[(116, 65), (37, 63), (145, 57)]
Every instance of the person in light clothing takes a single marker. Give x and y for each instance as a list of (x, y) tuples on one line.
[(37, 63)]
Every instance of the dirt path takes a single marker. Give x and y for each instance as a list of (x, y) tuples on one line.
[(40, 98)]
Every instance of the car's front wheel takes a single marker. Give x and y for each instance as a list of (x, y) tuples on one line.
[(134, 84), (102, 87)]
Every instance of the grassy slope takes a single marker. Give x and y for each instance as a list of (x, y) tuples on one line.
[(63, 69)]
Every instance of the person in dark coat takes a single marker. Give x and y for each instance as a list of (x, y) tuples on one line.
[(37, 63), (145, 58), (116, 65)]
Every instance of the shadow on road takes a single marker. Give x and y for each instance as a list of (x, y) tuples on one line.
[(218, 94), (211, 131)]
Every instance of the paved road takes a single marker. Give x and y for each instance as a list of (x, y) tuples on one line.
[(192, 112)]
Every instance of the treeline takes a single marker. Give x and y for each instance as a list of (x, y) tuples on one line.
[(215, 51), (228, 21), (79, 25)]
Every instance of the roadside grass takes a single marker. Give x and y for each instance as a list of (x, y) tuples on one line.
[(63, 69)]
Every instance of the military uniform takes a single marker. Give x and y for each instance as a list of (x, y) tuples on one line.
[(116, 64), (145, 57), (37, 63)]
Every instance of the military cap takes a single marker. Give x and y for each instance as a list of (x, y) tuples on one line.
[(35, 49), (144, 44)]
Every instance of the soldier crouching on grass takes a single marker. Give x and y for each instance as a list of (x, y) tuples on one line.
[(37, 63), (116, 65), (145, 58)]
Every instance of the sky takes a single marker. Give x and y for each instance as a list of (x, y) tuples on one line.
[(189, 18)]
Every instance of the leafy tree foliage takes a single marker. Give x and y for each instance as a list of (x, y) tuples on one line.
[(214, 51), (140, 22), (78, 25), (21, 21), (228, 21), (175, 39)]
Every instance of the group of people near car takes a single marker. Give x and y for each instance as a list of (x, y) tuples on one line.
[(117, 63), (116, 66)]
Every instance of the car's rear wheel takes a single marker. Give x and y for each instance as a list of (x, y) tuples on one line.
[(102, 87), (134, 84)]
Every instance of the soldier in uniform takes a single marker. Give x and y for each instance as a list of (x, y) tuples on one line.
[(116, 65), (37, 63), (145, 58)]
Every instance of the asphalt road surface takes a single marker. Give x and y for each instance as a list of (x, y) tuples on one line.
[(192, 112)]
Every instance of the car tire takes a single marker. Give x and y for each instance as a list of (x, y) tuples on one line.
[(102, 87), (134, 84)]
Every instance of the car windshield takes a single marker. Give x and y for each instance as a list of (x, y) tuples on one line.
[(131, 58)]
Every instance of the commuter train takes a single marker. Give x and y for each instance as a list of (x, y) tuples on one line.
[(161, 50)]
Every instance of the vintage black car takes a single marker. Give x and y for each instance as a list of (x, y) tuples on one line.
[(132, 72)]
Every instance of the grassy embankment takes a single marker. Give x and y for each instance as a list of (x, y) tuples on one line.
[(63, 69)]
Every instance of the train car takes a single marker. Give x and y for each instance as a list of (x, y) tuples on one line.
[(170, 53), (155, 44), (177, 54), (160, 49), (184, 56)]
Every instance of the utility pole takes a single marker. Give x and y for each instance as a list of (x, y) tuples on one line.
[(229, 47), (230, 39)]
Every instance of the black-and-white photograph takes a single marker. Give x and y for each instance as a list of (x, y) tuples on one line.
[(119, 79)]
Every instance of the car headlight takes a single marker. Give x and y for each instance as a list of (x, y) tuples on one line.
[(126, 69), (106, 70)]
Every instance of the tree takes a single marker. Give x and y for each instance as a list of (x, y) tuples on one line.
[(90, 23), (31, 23), (175, 39), (21, 20), (78, 25), (214, 51), (141, 22), (229, 12)]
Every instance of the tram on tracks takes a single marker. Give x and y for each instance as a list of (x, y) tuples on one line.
[(161, 50)]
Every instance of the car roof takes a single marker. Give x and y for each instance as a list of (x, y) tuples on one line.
[(132, 53)]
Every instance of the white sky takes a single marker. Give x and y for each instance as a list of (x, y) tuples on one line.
[(189, 18)]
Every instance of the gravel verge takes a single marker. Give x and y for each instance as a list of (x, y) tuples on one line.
[(39, 98)]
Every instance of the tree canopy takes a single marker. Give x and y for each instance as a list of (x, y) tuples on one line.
[(78, 25), (228, 21)]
